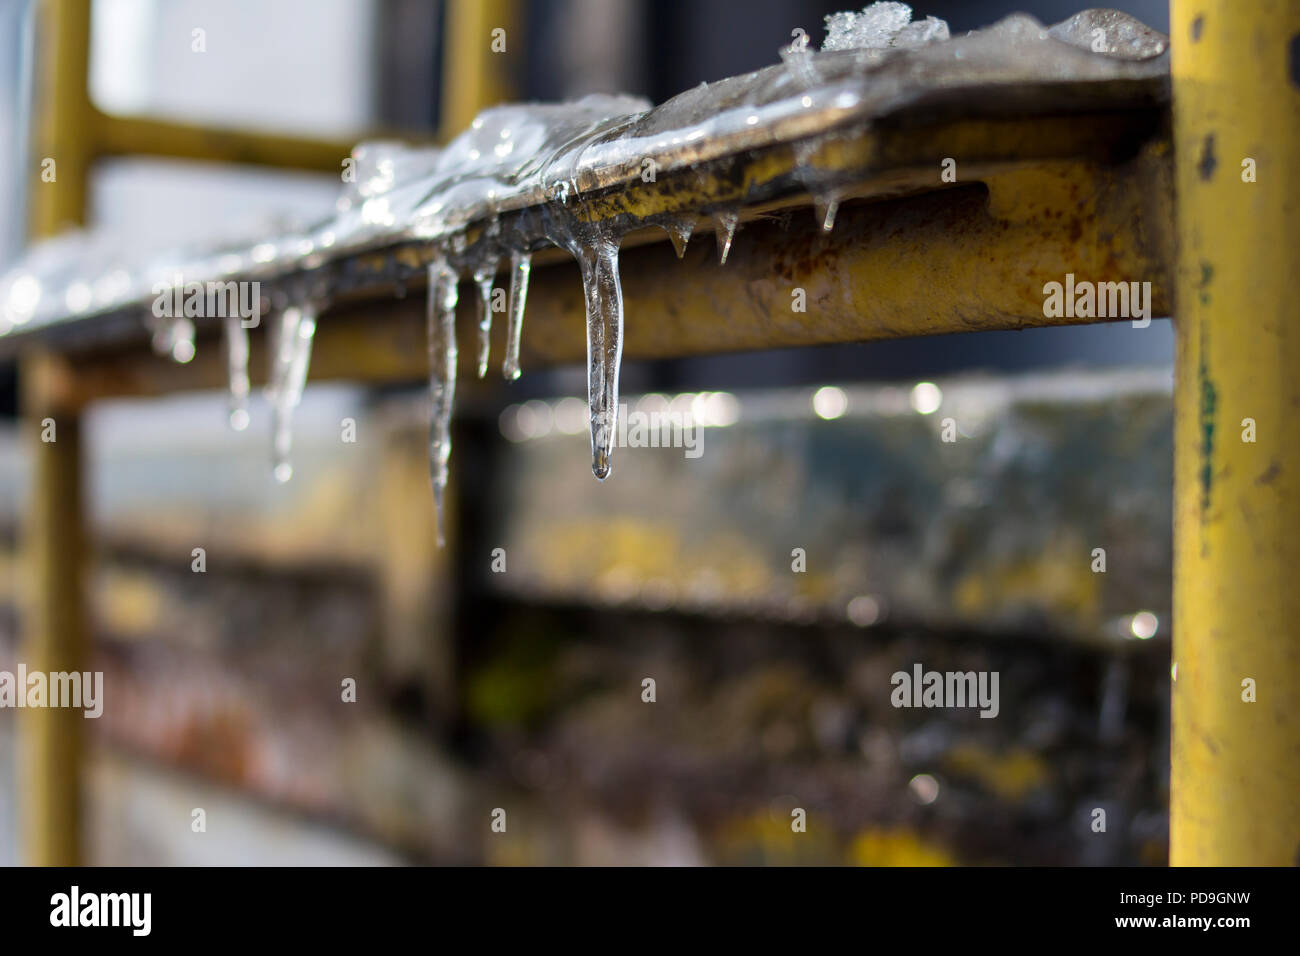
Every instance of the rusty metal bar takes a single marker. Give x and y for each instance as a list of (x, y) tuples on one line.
[(969, 257)]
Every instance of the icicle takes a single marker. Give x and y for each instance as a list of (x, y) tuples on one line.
[(679, 229), (173, 336), (521, 264), (441, 319), (598, 260), (288, 378), (725, 221), (825, 207), (483, 280), (182, 340), (237, 385)]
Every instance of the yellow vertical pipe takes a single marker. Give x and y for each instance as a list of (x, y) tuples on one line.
[(1235, 785), (53, 626), (474, 74), (64, 119)]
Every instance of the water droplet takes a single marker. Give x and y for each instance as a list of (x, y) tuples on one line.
[(826, 207), (172, 336)]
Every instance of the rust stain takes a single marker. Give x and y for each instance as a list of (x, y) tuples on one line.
[(1208, 410), (1269, 474), (1208, 162)]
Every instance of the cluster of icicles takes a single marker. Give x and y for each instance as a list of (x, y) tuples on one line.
[(534, 166), (506, 150), (292, 329)]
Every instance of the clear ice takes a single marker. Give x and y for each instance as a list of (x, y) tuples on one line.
[(880, 26), (725, 221), (441, 326), (679, 229), (292, 355), (598, 260), (237, 385), (483, 281), (521, 264)]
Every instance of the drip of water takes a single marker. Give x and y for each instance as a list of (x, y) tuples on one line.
[(725, 221), (182, 340), (289, 364), (825, 207), (173, 336), (483, 280), (679, 229), (237, 385), (598, 260), (521, 264), (441, 320)]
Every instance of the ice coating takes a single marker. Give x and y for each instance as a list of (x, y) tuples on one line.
[(798, 59), (384, 186), (873, 28), (394, 192), (1112, 33), (512, 155)]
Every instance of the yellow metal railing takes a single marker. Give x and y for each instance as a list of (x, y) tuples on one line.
[(889, 270)]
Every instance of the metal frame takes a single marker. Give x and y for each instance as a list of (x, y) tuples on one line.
[(1042, 196)]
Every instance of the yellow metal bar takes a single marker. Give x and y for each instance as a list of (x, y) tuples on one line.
[(50, 742), (64, 117), (476, 61), (962, 260), (130, 135), (53, 635), (1235, 786)]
